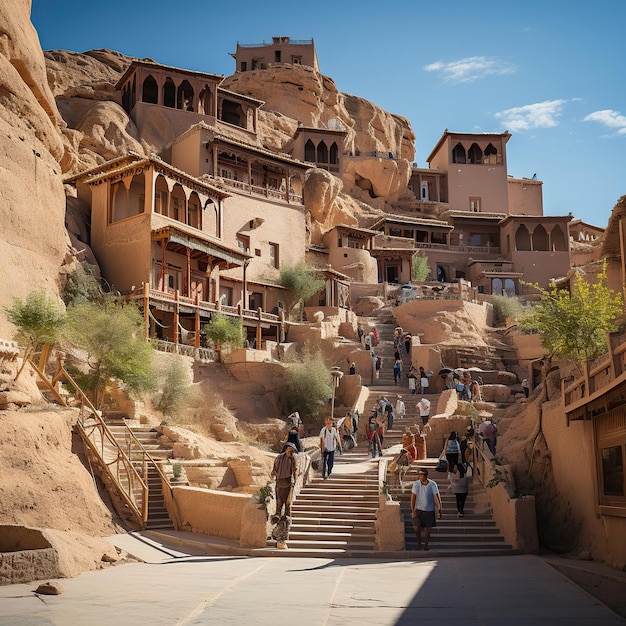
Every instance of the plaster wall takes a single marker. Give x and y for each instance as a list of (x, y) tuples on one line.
[(573, 464), (356, 263), (489, 183), (209, 512), (122, 248), (282, 224), (540, 266), (186, 155), (525, 197)]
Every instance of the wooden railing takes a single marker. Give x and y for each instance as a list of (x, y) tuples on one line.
[(597, 374), (126, 469)]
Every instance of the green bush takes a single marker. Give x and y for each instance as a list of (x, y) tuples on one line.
[(82, 285), (307, 385), (174, 387), (224, 330), (505, 306)]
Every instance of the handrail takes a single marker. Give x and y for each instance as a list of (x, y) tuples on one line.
[(382, 474), (102, 442)]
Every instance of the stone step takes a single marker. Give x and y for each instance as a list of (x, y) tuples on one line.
[(361, 528), (329, 536)]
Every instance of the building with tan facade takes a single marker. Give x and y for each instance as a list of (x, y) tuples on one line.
[(261, 56)]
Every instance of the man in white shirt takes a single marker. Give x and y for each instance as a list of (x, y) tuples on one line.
[(400, 409), (329, 440), (424, 408), (425, 500)]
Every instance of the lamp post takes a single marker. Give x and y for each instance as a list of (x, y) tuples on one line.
[(336, 373)]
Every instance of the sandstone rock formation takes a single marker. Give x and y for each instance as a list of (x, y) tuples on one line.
[(34, 241)]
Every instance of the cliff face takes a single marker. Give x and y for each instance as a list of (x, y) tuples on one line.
[(33, 155), (60, 114)]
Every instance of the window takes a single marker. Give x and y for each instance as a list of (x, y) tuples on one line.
[(274, 260), (276, 56), (474, 204), (611, 456), (244, 66), (243, 243)]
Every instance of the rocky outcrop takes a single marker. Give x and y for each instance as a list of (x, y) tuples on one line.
[(34, 242)]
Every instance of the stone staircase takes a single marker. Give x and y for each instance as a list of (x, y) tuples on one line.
[(335, 517), (474, 534), (158, 516)]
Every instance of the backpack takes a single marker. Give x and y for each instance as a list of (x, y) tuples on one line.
[(453, 446), (378, 362)]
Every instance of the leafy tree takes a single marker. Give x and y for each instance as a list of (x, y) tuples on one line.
[(82, 285), (302, 281), (505, 306), (307, 385), (113, 337), (38, 319), (223, 329), (174, 386), (574, 326), (420, 269)]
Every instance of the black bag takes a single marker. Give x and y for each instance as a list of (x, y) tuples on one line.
[(442, 465)]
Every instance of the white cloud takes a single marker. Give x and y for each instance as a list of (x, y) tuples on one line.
[(610, 119), (538, 115), (470, 69)]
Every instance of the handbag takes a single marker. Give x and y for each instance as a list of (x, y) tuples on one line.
[(442, 465)]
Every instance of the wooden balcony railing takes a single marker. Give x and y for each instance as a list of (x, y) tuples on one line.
[(598, 377)]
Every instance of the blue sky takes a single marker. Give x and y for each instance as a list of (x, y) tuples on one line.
[(551, 73)]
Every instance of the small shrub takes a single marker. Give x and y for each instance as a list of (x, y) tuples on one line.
[(82, 285), (505, 306), (174, 387), (307, 385), (224, 330)]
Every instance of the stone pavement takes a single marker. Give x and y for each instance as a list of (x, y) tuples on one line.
[(182, 590)]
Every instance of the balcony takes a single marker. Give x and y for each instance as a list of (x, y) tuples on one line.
[(254, 190), (591, 393)]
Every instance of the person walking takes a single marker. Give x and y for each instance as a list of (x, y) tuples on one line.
[(423, 380), (400, 409), (487, 430), (412, 376), (284, 471), (425, 507), (526, 387), (397, 371), (451, 450), (423, 406), (407, 344), (292, 437), (329, 438), (459, 484)]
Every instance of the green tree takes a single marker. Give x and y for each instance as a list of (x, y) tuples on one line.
[(113, 337), (224, 330), (302, 281), (307, 385), (420, 270), (174, 386), (574, 326), (38, 320)]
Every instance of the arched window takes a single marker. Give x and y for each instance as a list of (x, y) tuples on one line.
[(509, 287), (496, 286), (522, 238), (184, 100), (161, 195), (118, 200), (322, 152), (458, 154), (169, 93), (136, 195), (178, 203), (309, 151), (491, 154), (212, 218), (334, 153), (540, 238), (475, 154), (557, 239), (194, 215), (205, 106), (150, 91)]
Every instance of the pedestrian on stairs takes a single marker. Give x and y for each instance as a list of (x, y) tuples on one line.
[(423, 406), (459, 484), (284, 471), (412, 376), (425, 506), (329, 439), (400, 407), (397, 371), (423, 380)]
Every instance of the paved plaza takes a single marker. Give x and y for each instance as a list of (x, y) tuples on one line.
[(194, 590)]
